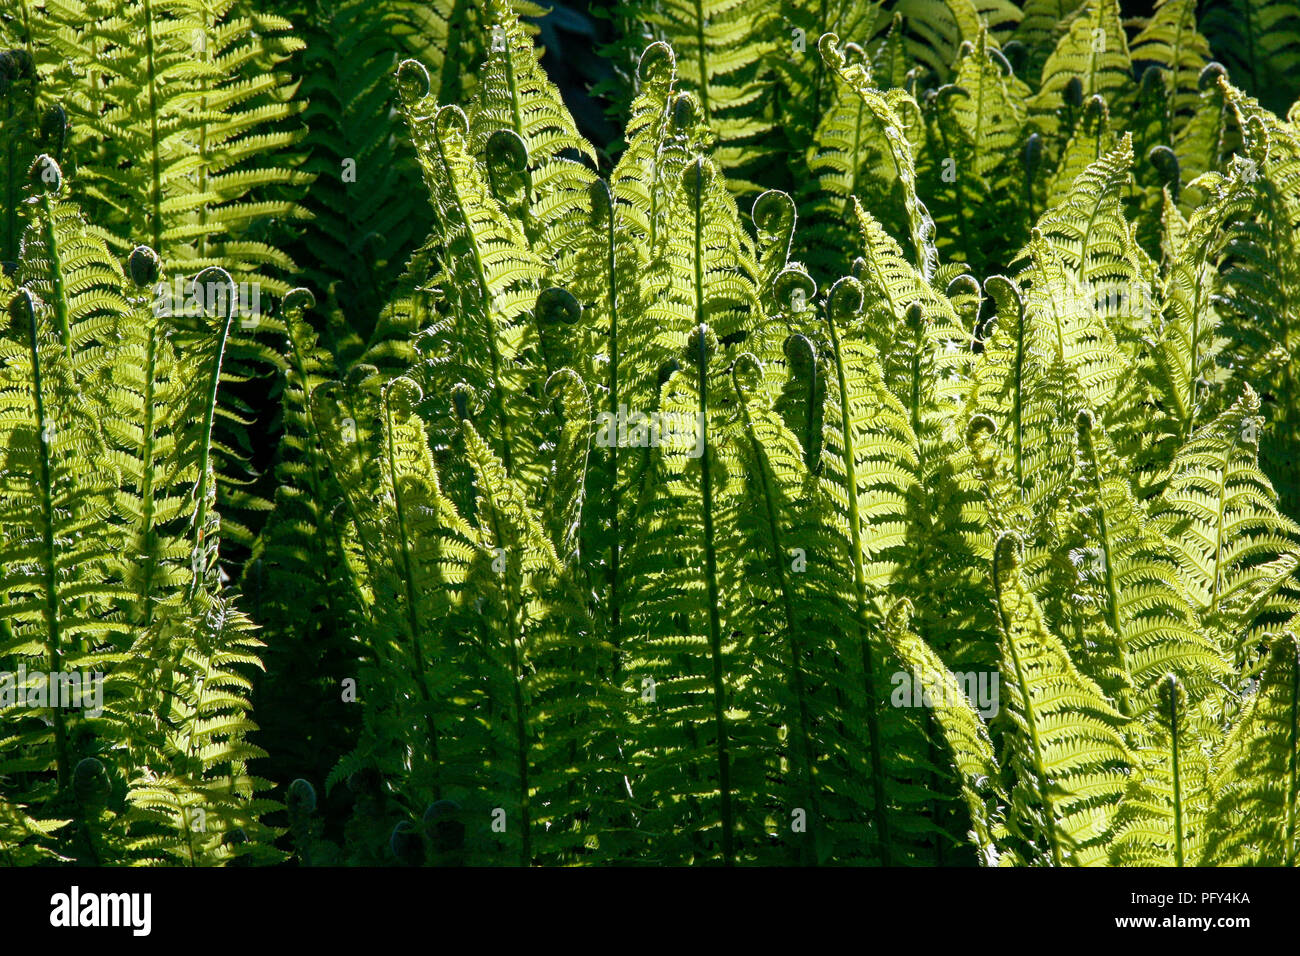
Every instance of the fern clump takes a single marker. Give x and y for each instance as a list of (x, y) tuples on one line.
[(881, 452)]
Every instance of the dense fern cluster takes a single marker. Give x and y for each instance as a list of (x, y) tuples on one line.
[(884, 453)]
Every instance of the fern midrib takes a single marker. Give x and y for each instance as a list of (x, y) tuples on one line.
[(1018, 399), (408, 584), (787, 606), (155, 159), (514, 614), (860, 594), (1031, 721), (50, 569), (485, 301), (615, 503), (517, 121), (326, 529), (147, 467), (1293, 744), (1172, 102), (1112, 586), (205, 438), (1177, 772), (710, 553), (59, 293)]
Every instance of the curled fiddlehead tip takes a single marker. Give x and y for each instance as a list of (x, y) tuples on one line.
[(402, 394), (771, 209), (1210, 75), (701, 343), (449, 116), (558, 305), (566, 386), (602, 201), (214, 287), (144, 266), (829, 48), (1165, 161), (1084, 422), (1008, 552), (746, 373), (965, 284), (462, 402), (657, 66), (794, 289), (799, 352), (697, 177), (406, 843), (1033, 154), (1096, 110), (90, 781), (412, 81), (22, 309), (845, 299), (301, 798), (1152, 83), (507, 151), (980, 428), (1172, 694), (298, 300), (45, 174), (1073, 93), (1005, 293), (685, 111), (362, 376)]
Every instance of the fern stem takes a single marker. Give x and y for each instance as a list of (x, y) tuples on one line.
[(146, 482), (880, 810), (59, 293), (615, 544), (1293, 743), (52, 617), (1178, 782), (155, 157), (1112, 586), (480, 274), (1031, 718), (412, 619), (514, 613), (792, 640), (710, 546), (516, 119), (205, 436)]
